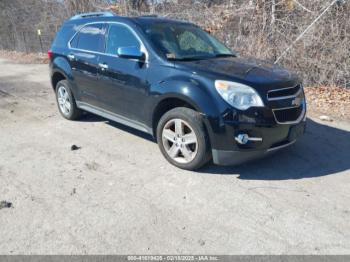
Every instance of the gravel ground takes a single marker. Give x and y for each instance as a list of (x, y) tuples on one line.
[(116, 194)]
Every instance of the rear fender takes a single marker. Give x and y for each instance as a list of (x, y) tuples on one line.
[(62, 66)]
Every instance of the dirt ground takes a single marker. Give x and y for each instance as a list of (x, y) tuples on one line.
[(118, 195)]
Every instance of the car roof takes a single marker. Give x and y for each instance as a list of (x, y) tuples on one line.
[(140, 20), (156, 19)]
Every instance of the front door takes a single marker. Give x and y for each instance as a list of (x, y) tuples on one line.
[(123, 82)]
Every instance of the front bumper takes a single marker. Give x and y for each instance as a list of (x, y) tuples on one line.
[(241, 155), (239, 136)]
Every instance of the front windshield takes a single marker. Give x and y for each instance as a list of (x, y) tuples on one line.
[(178, 41)]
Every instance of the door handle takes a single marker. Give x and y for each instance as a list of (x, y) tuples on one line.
[(103, 66), (71, 57)]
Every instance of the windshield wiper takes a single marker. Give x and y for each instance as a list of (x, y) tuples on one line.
[(188, 58), (225, 55), (196, 58)]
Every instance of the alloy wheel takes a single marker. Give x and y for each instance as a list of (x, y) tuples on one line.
[(180, 141), (63, 100)]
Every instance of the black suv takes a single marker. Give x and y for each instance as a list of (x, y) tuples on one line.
[(171, 79)]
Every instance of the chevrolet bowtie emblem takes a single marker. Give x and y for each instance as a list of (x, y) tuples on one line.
[(297, 101)]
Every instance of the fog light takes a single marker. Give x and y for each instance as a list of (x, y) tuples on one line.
[(243, 139)]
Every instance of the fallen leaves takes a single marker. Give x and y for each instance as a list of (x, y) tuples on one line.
[(329, 101), (23, 58)]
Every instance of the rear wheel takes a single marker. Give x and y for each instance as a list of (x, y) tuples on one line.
[(66, 102), (182, 138)]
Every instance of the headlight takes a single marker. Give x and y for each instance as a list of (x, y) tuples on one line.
[(238, 95)]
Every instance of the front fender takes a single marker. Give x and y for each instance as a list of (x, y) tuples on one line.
[(191, 91), (194, 93)]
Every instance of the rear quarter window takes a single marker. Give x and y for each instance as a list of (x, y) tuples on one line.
[(64, 35)]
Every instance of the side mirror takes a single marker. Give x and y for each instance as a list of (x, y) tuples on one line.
[(130, 52)]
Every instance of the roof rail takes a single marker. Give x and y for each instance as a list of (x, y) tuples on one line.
[(93, 14), (148, 16)]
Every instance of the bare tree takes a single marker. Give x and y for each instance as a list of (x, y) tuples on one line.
[(259, 28)]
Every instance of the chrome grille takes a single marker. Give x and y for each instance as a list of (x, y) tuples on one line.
[(293, 101), (289, 114), (283, 93)]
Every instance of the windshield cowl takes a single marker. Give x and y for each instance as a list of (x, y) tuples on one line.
[(195, 58)]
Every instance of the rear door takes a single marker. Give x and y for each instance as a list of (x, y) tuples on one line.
[(85, 50), (124, 86)]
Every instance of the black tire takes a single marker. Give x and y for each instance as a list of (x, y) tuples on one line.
[(74, 112), (194, 119)]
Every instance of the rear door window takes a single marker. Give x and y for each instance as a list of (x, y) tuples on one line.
[(90, 38)]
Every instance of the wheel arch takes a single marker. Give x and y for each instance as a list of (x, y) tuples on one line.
[(183, 91), (170, 102), (163, 106), (61, 70), (57, 77)]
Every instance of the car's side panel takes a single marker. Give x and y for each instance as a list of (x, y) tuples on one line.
[(85, 72), (122, 86), (114, 117)]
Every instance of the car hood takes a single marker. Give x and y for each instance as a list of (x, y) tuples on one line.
[(257, 73)]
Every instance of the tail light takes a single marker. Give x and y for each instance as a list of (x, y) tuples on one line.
[(49, 54)]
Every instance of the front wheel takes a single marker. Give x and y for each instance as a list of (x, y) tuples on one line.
[(182, 138)]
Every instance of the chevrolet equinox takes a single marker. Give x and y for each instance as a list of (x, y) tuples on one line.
[(173, 80)]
